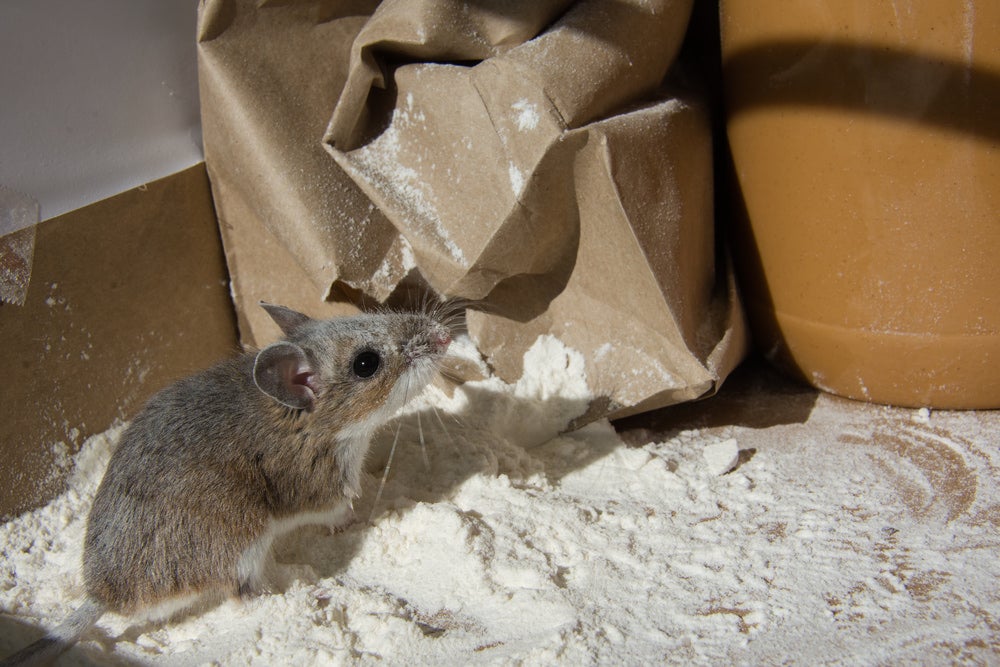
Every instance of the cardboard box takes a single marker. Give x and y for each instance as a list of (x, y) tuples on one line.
[(126, 295)]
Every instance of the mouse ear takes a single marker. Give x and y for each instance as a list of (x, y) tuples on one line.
[(283, 372), (289, 320)]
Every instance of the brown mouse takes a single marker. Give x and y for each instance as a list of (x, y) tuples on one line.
[(220, 463)]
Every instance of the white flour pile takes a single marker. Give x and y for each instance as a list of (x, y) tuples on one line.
[(516, 544)]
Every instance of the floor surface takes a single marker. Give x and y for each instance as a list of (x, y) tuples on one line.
[(885, 521)]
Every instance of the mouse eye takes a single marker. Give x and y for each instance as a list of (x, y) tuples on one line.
[(366, 364)]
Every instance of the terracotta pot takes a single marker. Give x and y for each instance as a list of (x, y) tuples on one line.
[(865, 139)]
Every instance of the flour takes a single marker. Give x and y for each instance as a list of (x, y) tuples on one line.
[(721, 457), (526, 115), (520, 543), (516, 179), (390, 162)]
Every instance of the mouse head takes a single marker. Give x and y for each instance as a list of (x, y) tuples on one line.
[(361, 368)]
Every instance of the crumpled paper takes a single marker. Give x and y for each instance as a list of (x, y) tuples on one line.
[(533, 159)]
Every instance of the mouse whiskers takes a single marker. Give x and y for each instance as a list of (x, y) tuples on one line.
[(407, 390), (450, 312), (444, 427), (446, 372), (423, 445), (385, 474)]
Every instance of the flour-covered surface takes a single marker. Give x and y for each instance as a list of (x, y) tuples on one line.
[(845, 533)]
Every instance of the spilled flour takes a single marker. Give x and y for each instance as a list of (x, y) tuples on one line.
[(762, 526)]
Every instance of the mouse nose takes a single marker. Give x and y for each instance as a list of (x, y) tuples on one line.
[(441, 338)]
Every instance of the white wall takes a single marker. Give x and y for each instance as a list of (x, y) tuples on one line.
[(96, 97)]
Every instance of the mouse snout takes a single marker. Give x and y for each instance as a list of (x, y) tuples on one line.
[(440, 339), (430, 340)]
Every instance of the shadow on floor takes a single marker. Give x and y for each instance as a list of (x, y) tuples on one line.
[(754, 396)]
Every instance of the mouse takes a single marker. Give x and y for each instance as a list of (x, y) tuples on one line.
[(219, 464)]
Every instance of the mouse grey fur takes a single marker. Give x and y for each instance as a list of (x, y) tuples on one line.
[(220, 463)]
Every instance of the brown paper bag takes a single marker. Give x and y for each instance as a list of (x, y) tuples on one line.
[(528, 158)]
